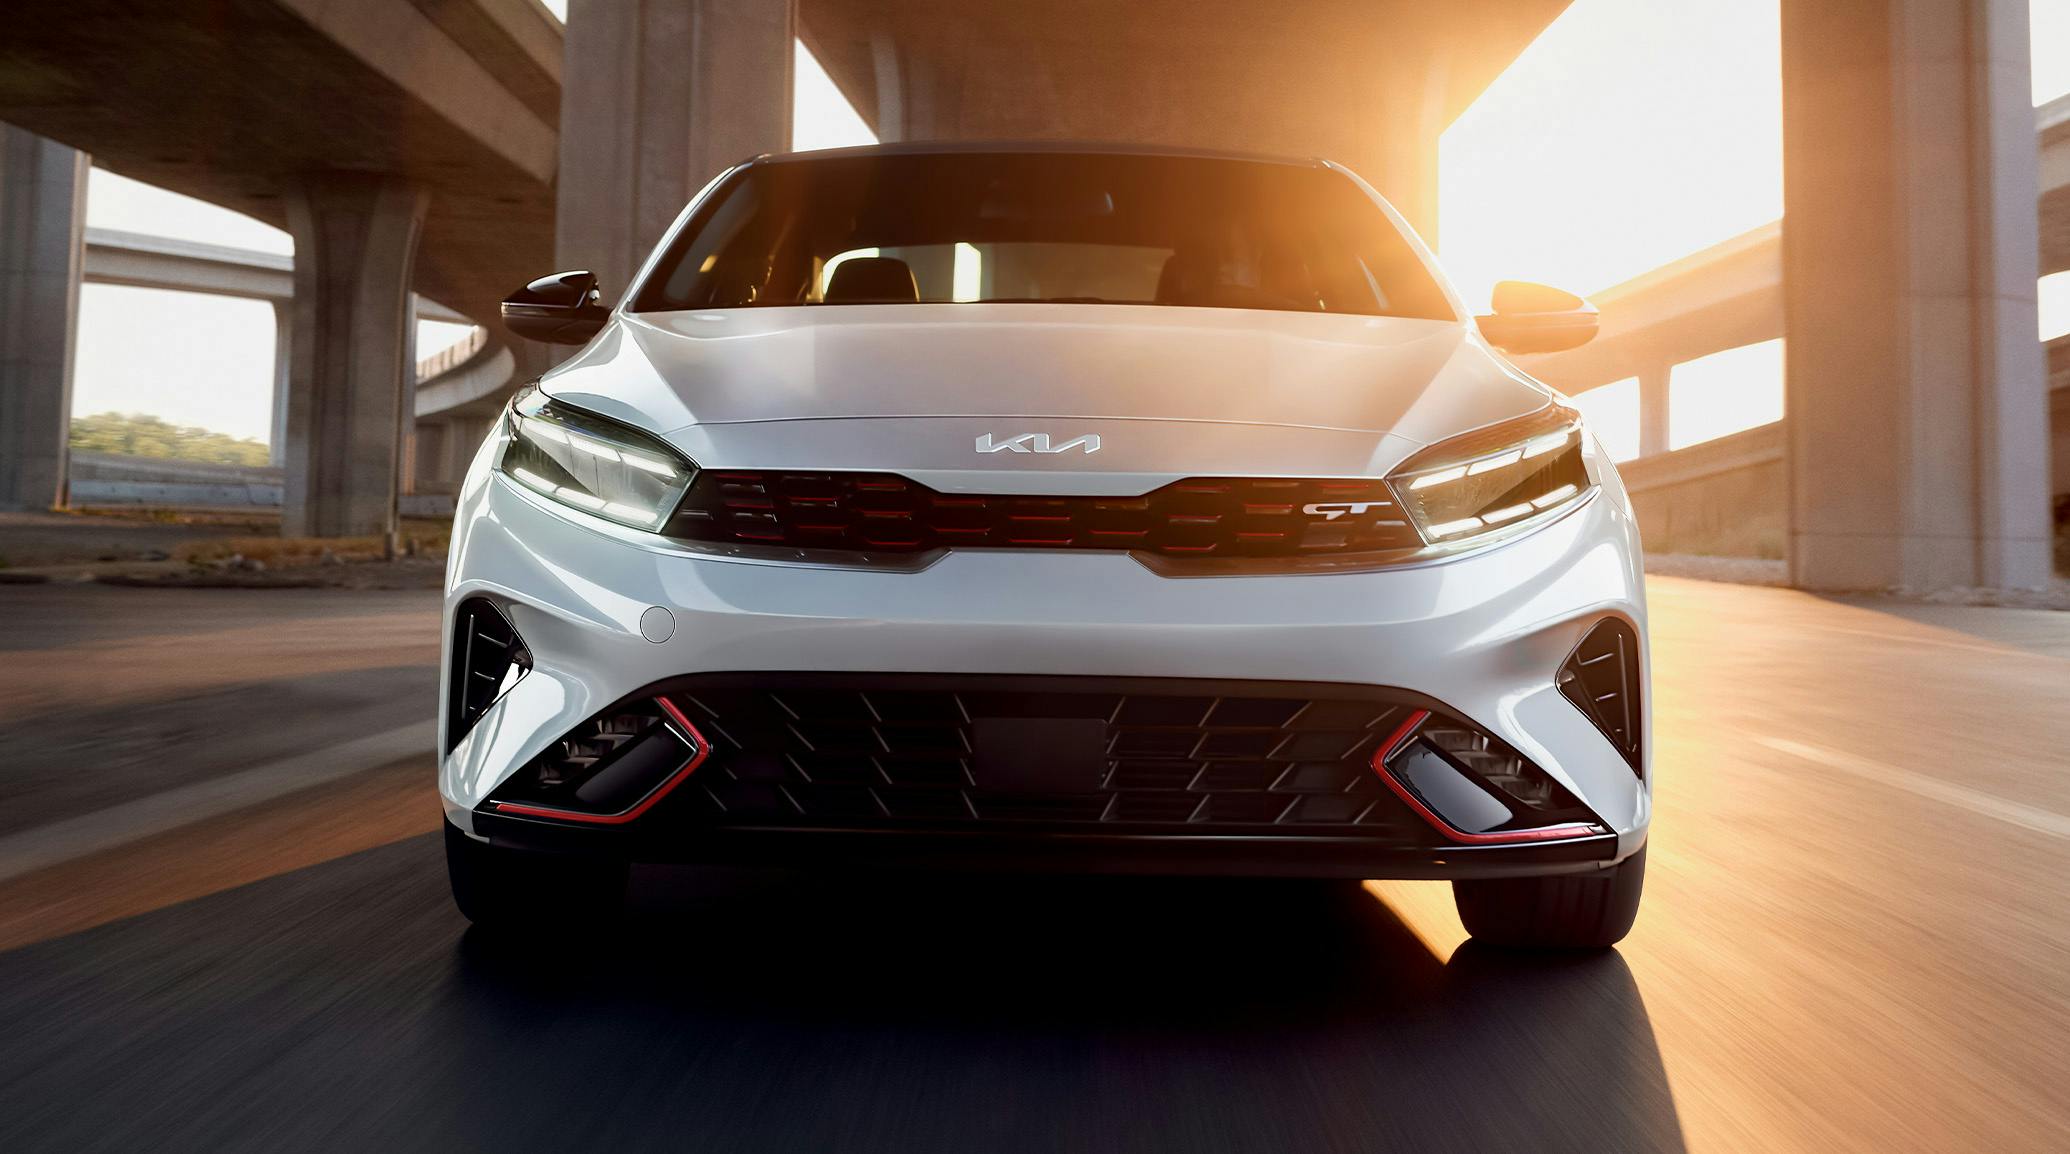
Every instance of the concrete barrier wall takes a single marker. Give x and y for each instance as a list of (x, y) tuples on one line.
[(1723, 498), (113, 479), (1730, 497)]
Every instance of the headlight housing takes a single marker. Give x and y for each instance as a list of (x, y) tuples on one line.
[(589, 463), (1494, 480)]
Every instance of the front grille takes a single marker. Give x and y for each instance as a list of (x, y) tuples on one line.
[(488, 657), (1203, 518), (1108, 755), (1601, 678)]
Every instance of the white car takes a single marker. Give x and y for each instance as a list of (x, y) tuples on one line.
[(1078, 508)]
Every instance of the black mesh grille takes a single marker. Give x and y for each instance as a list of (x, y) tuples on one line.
[(1601, 678), (1206, 517), (857, 751), (488, 658)]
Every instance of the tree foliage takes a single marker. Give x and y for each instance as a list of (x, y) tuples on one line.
[(142, 435)]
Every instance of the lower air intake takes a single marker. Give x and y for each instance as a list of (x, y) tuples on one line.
[(609, 769), (1066, 754), (1601, 678)]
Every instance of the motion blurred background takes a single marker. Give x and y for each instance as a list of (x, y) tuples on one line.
[(249, 257)]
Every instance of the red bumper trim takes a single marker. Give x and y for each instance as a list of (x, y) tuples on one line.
[(690, 731), (1400, 738)]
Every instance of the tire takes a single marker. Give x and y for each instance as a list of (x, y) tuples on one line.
[(516, 890), (1565, 912)]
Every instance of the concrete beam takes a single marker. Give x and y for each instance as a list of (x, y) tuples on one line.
[(400, 40), (1918, 416), (42, 218), (139, 260), (1368, 83), (660, 97), (355, 242)]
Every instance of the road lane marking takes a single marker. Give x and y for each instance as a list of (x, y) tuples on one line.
[(1976, 801), (61, 841)]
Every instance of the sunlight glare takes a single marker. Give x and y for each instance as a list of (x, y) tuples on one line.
[(1630, 133), (1612, 414)]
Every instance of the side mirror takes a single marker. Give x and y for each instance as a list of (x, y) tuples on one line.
[(563, 309), (1536, 318)]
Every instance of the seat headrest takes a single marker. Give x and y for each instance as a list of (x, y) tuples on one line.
[(872, 280), (1187, 278)]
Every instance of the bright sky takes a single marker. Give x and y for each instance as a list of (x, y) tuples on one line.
[(2050, 32), (1696, 161)]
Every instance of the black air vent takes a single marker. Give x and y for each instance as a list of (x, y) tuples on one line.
[(488, 658), (605, 766), (867, 751), (1601, 678)]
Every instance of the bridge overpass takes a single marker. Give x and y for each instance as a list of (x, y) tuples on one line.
[(1731, 497), (407, 145), (442, 166), (137, 260)]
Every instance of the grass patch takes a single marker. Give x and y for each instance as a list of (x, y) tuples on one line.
[(430, 536)]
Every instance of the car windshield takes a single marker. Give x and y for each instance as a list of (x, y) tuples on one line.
[(1047, 227)]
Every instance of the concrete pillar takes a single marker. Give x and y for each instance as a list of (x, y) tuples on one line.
[(42, 255), (355, 244), (660, 96), (283, 372), (406, 422), (1918, 418), (1653, 410)]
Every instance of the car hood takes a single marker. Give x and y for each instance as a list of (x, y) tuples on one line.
[(1166, 391)]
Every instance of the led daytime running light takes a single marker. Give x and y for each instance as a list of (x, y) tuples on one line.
[(591, 464), (1540, 469)]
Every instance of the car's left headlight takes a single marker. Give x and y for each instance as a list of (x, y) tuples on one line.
[(1496, 479), (589, 463)]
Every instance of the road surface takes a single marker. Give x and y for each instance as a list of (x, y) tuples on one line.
[(1856, 937)]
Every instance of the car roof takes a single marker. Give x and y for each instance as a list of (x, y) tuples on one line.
[(1054, 147)]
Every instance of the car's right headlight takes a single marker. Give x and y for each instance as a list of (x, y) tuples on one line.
[(589, 463), (1495, 479)]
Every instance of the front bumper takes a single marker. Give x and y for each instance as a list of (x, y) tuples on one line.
[(1480, 635)]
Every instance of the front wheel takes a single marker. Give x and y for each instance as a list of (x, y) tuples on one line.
[(1565, 912), (509, 889)]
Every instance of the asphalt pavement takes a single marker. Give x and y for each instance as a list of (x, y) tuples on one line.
[(1855, 937)]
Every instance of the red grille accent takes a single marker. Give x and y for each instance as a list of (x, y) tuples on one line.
[(1199, 517)]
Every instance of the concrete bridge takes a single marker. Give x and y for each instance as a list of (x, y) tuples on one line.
[(1730, 496), (407, 145), (1918, 398)]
